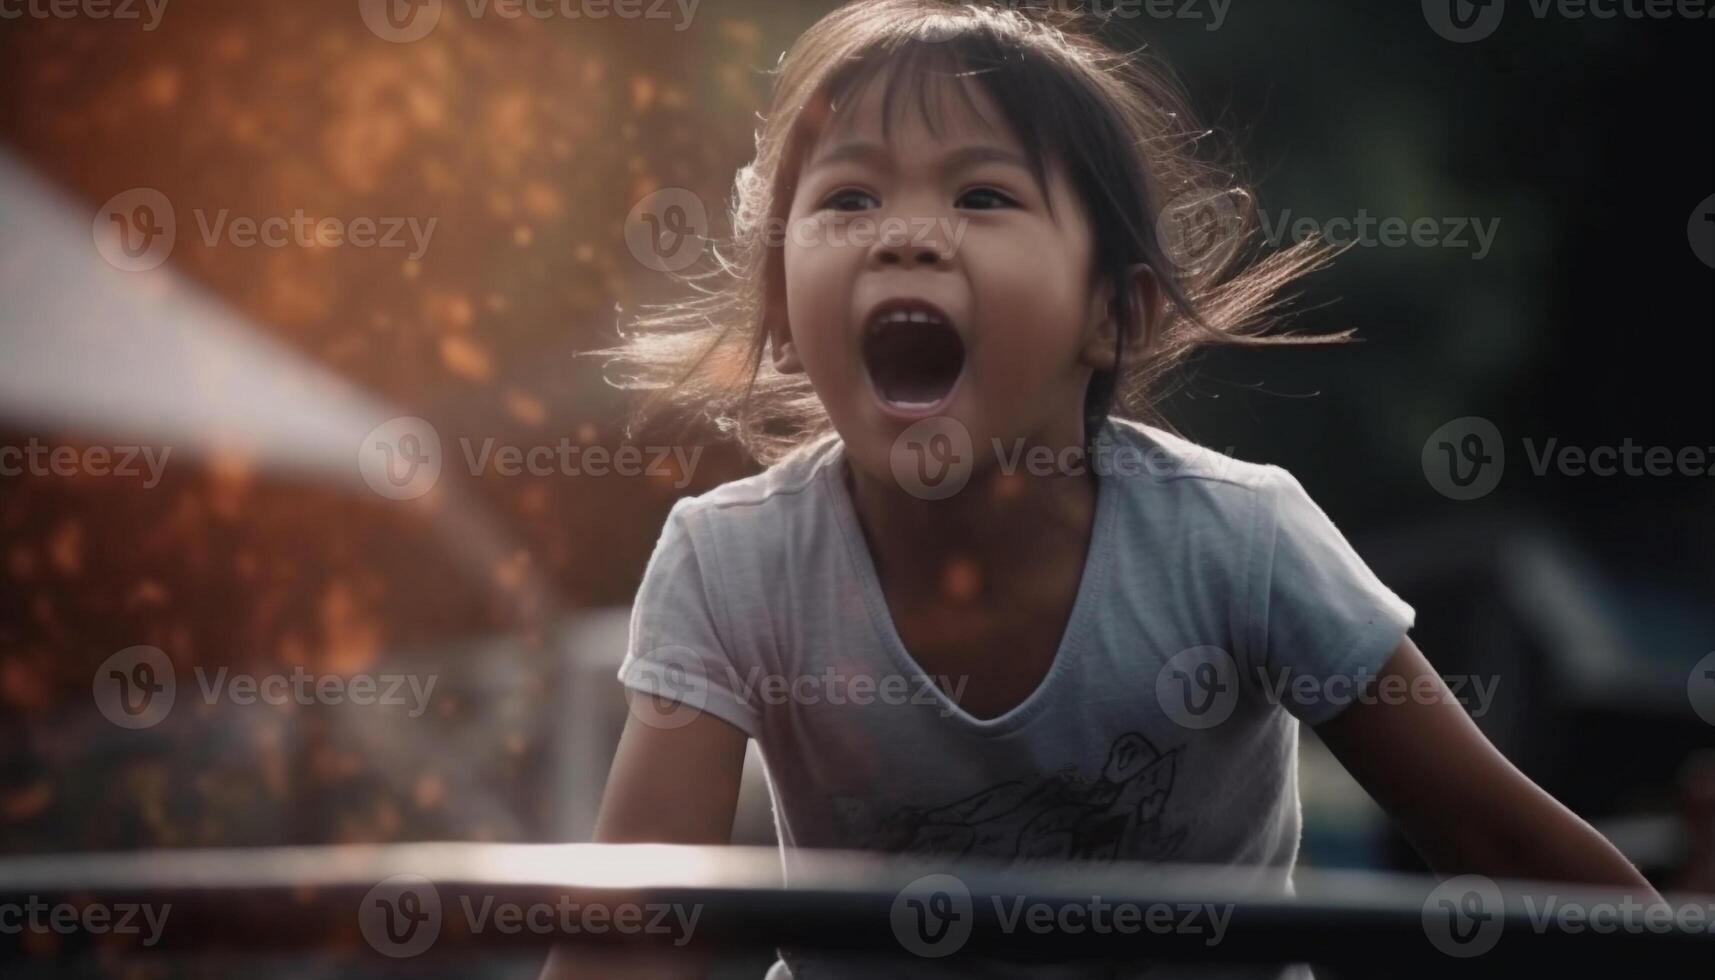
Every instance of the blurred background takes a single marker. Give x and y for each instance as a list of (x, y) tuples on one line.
[(455, 197)]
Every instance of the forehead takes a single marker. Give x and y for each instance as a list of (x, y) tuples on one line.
[(949, 106), (925, 105)]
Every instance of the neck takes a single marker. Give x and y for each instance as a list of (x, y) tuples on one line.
[(1032, 515)]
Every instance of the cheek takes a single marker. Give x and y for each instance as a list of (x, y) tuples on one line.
[(818, 289), (1031, 303), (818, 282)]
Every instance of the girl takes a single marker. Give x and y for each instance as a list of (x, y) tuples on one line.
[(970, 608)]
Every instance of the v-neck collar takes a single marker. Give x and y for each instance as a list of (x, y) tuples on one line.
[(1091, 583)]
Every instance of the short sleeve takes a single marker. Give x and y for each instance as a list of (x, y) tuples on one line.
[(679, 654), (1323, 622)]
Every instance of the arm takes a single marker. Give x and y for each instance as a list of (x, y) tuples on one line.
[(667, 786), (1462, 805)]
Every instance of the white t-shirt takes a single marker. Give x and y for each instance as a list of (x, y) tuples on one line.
[(1218, 608)]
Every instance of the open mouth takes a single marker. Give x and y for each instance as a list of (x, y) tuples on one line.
[(913, 355)]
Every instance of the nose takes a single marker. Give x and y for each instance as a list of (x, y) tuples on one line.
[(903, 245)]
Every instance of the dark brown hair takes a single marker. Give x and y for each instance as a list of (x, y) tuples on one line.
[(1155, 189)]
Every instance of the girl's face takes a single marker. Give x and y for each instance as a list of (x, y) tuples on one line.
[(928, 278)]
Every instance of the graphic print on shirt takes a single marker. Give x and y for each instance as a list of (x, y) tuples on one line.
[(1062, 816)]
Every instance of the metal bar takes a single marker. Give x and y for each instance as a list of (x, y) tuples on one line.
[(352, 899)]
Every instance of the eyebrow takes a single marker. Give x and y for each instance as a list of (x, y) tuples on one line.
[(875, 153)]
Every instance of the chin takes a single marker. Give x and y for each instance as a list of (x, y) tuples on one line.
[(920, 456)]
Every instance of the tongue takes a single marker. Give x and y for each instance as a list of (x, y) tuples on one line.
[(913, 364)]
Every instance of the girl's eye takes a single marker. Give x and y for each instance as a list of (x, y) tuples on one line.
[(989, 198), (846, 196)]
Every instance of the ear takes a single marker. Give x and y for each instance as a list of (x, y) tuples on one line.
[(781, 347), (1103, 331), (783, 352)]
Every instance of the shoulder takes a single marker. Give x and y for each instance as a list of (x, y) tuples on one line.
[(1160, 470), (769, 506), (1217, 515)]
